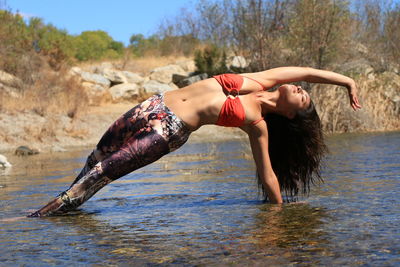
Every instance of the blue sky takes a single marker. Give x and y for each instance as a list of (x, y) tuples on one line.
[(120, 18)]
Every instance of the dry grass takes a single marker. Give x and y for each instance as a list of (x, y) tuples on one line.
[(75, 132), (41, 132), (51, 93), (378, 112)]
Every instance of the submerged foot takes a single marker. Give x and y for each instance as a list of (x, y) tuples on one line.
[(56, 206)]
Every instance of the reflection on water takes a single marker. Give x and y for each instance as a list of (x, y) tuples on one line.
[(199, 206)]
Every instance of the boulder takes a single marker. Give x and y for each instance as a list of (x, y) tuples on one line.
[(94, 88), (115, 76), (394, 68), (164, 74), (173, 86), (238, 62), (177, 78), (11, 91), (124, 91), (133, 77), (362, 49), (4, 162), (10, 80), (392, 90), (192, 79), (75, 71), (187, 65), (95, 78), (391, 77), (359, 66), (97, 93), (25, 151), (154, 87)]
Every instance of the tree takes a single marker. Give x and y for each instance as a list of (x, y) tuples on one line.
[(319, 31), (258, 27), (392, 34), (95, 45)]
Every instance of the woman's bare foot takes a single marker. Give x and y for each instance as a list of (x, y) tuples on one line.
[(54, 206)]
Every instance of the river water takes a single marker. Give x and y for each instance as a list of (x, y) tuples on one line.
[(200, 206)]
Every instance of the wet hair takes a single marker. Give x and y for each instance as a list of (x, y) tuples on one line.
[(296, 147)]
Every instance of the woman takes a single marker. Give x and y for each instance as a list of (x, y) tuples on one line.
[(282, 125)]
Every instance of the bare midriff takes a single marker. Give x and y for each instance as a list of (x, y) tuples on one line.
[(200, 103)]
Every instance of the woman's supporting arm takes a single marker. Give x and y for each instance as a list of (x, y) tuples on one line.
[(258, 135)]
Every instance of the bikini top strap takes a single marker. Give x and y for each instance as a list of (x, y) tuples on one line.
[(264, 88), (257, 121)]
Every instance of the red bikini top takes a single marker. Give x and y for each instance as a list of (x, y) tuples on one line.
[(232, 113)]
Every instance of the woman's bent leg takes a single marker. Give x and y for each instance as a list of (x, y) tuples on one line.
[(91, 161), (136, 153)]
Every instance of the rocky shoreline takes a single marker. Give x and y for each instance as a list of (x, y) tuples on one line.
[(84, 131), (111, 92)]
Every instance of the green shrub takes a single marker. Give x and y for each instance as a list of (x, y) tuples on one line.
[(96, 45), (210, 60)]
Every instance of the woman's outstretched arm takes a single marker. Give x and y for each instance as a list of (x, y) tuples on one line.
[(258, 135), (283, 75)]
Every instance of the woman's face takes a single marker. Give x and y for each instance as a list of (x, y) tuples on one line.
[(293, 98)]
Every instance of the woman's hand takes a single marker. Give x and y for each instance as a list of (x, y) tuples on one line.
[(352, 90)]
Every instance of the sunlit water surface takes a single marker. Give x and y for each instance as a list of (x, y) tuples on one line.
[(199, 206)]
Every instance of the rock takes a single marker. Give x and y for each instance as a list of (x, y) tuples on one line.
[(393, 68), (359, 66), (192, 79), (94, 88), (187, 65), (10, 80), (4, 162), (368, 70), (146, 79), (392, 78), (57, 148), (154, 87), (362, 49), (238, 62), (133, 77), (25, 151), (164, 74), (173, 86), (392, 88), (124, 91), (95, 78), (97, 93), (75, 71), (115, 76), (177, 78), (11, 91)]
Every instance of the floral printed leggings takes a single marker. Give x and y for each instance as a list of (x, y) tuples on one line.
[(139, 137)]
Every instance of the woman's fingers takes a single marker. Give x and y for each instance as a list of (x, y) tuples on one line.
[(355, 104)]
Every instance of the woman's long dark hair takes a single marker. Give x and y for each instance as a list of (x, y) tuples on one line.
[(296, 147)]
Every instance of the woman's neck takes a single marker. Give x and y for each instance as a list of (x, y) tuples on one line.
[(269, 102)]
